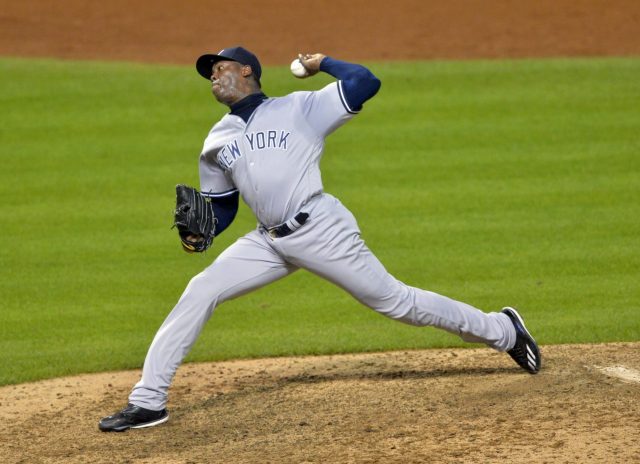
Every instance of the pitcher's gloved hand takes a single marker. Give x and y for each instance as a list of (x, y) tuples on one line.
[(194, 219)]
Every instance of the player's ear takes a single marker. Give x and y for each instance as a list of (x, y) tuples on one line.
[(246, 70)]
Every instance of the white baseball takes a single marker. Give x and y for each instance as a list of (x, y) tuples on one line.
[(297, 69)]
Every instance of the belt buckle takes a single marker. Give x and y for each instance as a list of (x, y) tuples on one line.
[(272, 233)]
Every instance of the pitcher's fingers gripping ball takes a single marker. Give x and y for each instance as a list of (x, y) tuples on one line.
[(307, 64), (298, 69)]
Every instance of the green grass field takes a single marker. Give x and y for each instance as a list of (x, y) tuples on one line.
[(492, 182)]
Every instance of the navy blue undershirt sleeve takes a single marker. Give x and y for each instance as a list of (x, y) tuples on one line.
[(358, 83), (225, 209)]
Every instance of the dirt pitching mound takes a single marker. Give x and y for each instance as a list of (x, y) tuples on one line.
[(447, 405)]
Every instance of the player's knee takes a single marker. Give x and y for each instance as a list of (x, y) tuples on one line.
[(397, 304), (202, 287)]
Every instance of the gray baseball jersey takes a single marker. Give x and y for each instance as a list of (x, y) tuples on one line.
[(273, 160)]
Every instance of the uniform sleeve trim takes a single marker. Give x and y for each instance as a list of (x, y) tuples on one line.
[(344, 100), (219, 194)]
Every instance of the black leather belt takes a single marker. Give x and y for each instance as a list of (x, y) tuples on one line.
[(289, 227)]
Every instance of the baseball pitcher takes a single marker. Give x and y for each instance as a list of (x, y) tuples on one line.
[(267, 150)]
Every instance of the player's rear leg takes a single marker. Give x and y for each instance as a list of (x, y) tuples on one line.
[(246, 265)]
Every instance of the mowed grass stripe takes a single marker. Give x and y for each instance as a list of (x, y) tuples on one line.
[(493, 182)]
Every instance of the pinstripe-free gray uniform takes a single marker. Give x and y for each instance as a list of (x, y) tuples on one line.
[(273, 160)]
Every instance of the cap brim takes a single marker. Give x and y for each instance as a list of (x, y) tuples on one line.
[(205, 63)]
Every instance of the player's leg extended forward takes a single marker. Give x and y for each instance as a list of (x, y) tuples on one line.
[(332, 248), (246, 265)]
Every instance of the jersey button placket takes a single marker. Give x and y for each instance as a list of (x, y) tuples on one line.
[(255, 184), (252, 166)]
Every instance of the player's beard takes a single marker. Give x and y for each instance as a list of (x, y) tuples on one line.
[(225, 89)]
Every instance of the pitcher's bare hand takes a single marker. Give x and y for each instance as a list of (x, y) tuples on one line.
[(311, 61)]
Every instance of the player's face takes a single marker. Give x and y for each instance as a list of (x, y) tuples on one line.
[(226, 82)]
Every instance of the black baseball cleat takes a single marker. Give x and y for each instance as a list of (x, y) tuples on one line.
[(525, 352), (133, 417)]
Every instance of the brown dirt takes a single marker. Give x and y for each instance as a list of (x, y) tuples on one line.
[(447, 405), (418, 406), (178, 32)]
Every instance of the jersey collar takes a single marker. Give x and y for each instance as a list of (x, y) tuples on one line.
[(245, 107)]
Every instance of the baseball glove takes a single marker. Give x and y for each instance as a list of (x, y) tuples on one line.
[(194, 219)]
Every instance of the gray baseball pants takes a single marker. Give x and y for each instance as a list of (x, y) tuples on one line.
[(328, 245)]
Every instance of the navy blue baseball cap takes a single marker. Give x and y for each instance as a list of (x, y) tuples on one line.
[(238, 54)]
